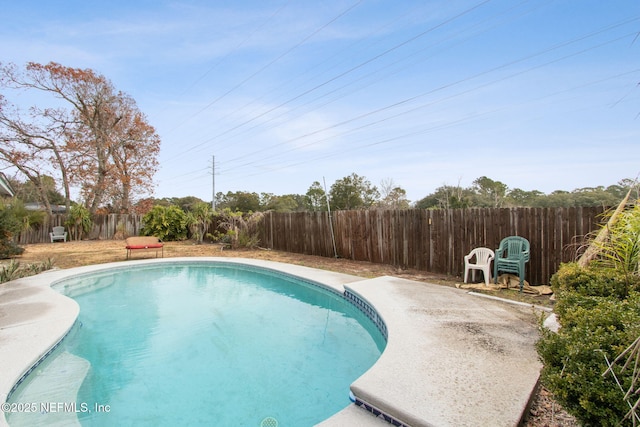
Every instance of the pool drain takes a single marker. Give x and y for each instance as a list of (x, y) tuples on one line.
[(269, 422)]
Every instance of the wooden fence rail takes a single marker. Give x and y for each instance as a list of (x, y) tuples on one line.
[(431, 240), (434, 240), (105, 227)]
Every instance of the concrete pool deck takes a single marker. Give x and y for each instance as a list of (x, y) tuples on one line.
[(452, 359)]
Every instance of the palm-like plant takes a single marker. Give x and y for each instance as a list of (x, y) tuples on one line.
[(79, 221), (621, 249), (200, 218), (241, 228)]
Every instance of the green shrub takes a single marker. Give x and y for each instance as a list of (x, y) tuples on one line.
[(599, 320), (242, 229), (25, 218), (200, 218), (13, 270), (593, 281), (9, 249), (10, 224), (166, 223), (10, 271)]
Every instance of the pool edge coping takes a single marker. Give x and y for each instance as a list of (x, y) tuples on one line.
[(388, 295), (44, 340)]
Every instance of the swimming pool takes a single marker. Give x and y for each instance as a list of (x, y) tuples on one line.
[(196, 344)]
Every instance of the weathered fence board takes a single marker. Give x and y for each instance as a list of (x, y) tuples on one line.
[(435, 240), (431, 240), (105, 227)]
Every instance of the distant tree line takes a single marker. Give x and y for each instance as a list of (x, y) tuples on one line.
[(357, 192), (350, 192), (487, 193)]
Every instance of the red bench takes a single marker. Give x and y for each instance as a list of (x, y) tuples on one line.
[(148, 243)]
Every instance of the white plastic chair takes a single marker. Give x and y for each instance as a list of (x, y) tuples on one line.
[(483, 258), (58, 234)]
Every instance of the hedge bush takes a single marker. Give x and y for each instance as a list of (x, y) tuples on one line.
[(9, 225), (166, 223), (599, 312), (593, 281)]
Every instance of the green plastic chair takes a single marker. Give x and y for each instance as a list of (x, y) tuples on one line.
[(511, 257)]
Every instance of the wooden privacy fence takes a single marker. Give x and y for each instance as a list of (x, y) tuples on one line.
[(105, 227), (431, 240), (434, 240)]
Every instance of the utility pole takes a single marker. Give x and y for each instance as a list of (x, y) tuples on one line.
[(333, 236), (213, 182)]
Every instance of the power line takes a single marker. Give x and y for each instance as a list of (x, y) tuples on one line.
[(286, 85), (272, 118), (446, 86), (273, 61), (344, 73), (236, 48), (407, 101)]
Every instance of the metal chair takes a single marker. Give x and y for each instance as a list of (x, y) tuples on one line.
[(483, 258), (511, 257)]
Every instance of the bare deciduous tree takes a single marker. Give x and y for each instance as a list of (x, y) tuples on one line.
[(392, 195), (94, 138)]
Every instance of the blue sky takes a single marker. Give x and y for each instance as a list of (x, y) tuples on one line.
[(541, 95)]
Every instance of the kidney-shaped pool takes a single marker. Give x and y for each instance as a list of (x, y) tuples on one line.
[(203, 344)]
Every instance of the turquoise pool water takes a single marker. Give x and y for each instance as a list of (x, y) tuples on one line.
[(204, 344)]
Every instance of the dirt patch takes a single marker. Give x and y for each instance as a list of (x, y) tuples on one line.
[(74, 254), (545, 412)]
